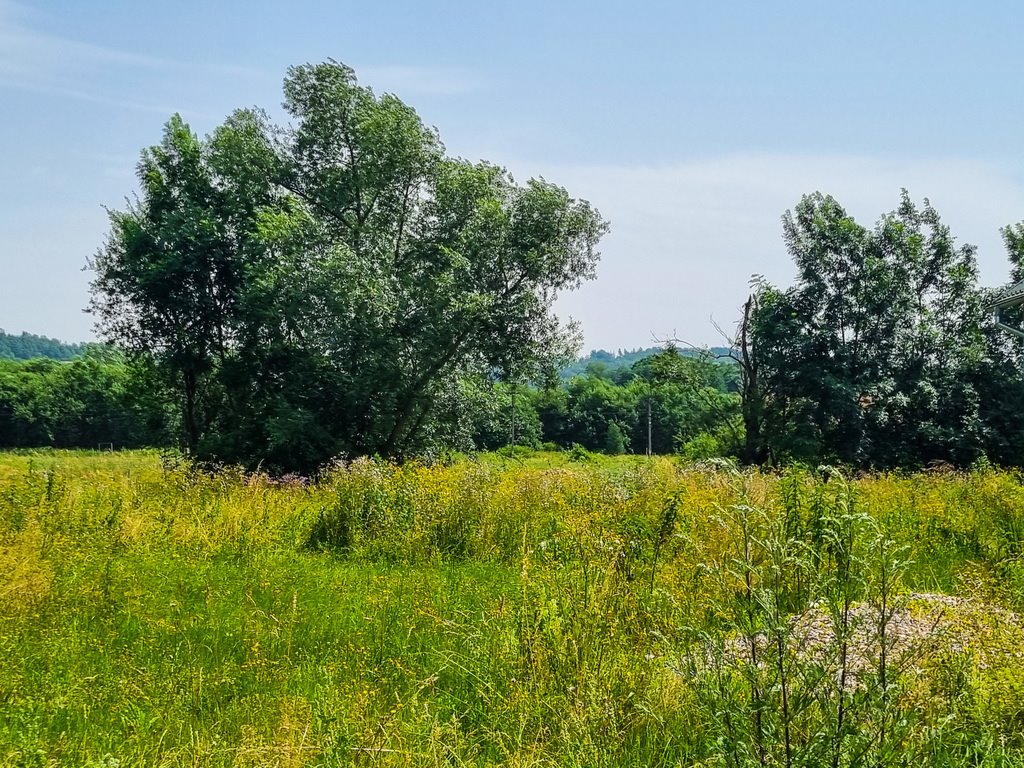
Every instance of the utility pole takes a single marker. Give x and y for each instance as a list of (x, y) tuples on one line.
[(513, 414), (649, 451)]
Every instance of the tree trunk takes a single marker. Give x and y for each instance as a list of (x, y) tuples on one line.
[(188, 415), (752, 398)]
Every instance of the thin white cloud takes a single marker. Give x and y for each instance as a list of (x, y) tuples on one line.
[(34, 60), (686, 238), (87, 96), (29, 57)]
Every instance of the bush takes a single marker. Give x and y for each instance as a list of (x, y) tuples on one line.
[(615, 441), (702, 447)]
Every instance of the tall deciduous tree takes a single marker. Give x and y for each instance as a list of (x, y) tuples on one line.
[(332, 281), (168, 278), (1000, 379), (868, 357)]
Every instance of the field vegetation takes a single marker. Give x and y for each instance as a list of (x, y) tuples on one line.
[(527, 609)]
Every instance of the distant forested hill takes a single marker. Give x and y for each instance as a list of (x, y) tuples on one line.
[(28, 346), (624, 358)]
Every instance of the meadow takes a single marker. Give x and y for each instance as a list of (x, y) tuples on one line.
[(524, 610)]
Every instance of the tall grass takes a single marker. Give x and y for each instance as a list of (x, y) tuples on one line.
[(505, 612)]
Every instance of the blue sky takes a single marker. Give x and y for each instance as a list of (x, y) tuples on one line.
[(691, 126)]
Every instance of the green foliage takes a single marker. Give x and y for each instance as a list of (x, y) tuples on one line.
[(702, 447), (688, 396), (604, 364), (324, 289), (874, 356), (782, 692), (499, 408), (612, 365), (999, 379), (95, 399), (578, 454), (592, 405), (27, 346), (685, 396), (614, 442)]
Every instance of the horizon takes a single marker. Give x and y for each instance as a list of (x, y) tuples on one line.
[(581, 355)]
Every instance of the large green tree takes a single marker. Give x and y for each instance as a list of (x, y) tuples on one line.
[(869, 358), (1000, 380), (323, 288), (168, 279)]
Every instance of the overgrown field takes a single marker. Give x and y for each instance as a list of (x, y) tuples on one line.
[(507, 612)]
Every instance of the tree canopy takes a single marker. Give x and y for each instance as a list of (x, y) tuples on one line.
[(322, 288), (27, 346), (879, 354)]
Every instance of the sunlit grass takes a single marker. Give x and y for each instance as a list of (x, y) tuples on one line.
[(525, 610)]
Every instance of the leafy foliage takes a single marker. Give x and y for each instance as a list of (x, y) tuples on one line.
[(600, 362), (321, 289), (95, 399), (507, 611), (875, 355)]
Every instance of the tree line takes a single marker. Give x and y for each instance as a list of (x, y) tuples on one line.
[(106, 398), (99, 399), (666, 403), (28, 346), (339, 286)]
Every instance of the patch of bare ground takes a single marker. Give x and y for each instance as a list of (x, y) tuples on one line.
[(910, 636)]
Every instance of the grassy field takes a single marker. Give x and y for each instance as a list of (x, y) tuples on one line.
[(507, 611)]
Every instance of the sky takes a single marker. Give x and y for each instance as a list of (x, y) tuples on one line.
[(691, 126)]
